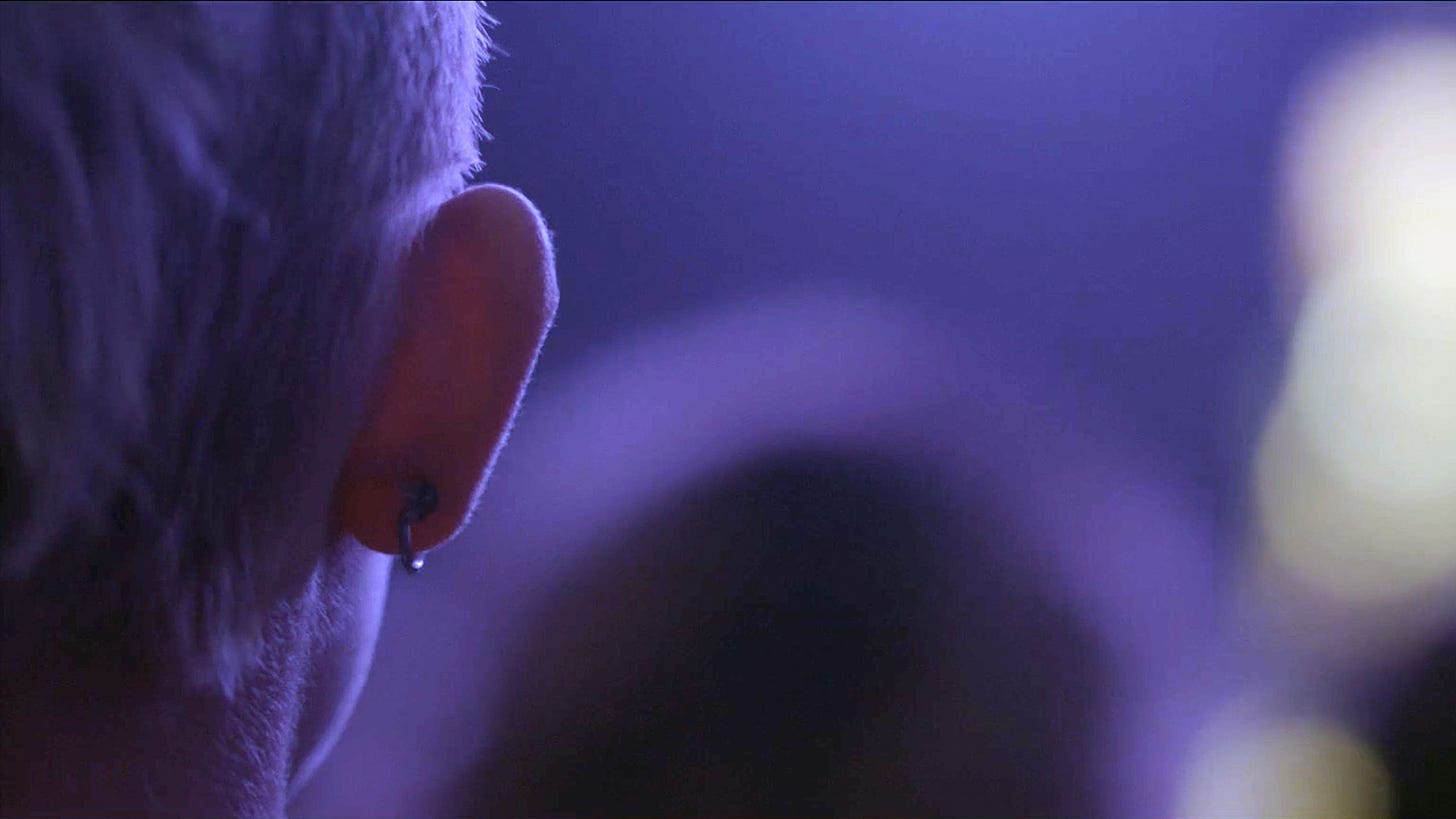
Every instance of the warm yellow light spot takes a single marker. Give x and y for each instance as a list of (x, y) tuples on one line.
[(1356, 473), (1356, 476), (1376, 392), (1342, 542), (1309, 769), (1372, 163)]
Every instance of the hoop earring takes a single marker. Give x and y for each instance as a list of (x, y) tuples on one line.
[(420, 500)]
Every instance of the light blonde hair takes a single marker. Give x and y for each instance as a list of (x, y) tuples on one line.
[(201, 211)]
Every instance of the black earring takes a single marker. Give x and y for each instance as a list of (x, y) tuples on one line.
[(420, 500)]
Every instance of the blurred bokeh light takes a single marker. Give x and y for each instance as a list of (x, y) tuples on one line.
[(1245, 767), (1357, 473)]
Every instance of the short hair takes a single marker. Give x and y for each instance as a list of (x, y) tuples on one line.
[(202, 212)]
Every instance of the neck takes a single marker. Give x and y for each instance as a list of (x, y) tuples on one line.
[(87, 745)]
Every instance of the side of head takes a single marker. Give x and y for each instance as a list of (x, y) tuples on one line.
[(225, 229)]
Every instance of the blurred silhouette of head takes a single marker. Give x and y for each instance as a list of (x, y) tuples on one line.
[(812, 632)]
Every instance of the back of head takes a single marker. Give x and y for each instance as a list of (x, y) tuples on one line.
[(201, 211), (809, 632)]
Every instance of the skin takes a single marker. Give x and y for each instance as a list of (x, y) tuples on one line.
[(481, 295), (477, 308)]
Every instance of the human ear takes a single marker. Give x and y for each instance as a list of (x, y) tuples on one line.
[(478, 296)]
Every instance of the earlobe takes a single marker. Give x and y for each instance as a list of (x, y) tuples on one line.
[(477, 298)]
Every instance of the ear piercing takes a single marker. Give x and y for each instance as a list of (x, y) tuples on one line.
[(420, 500)]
